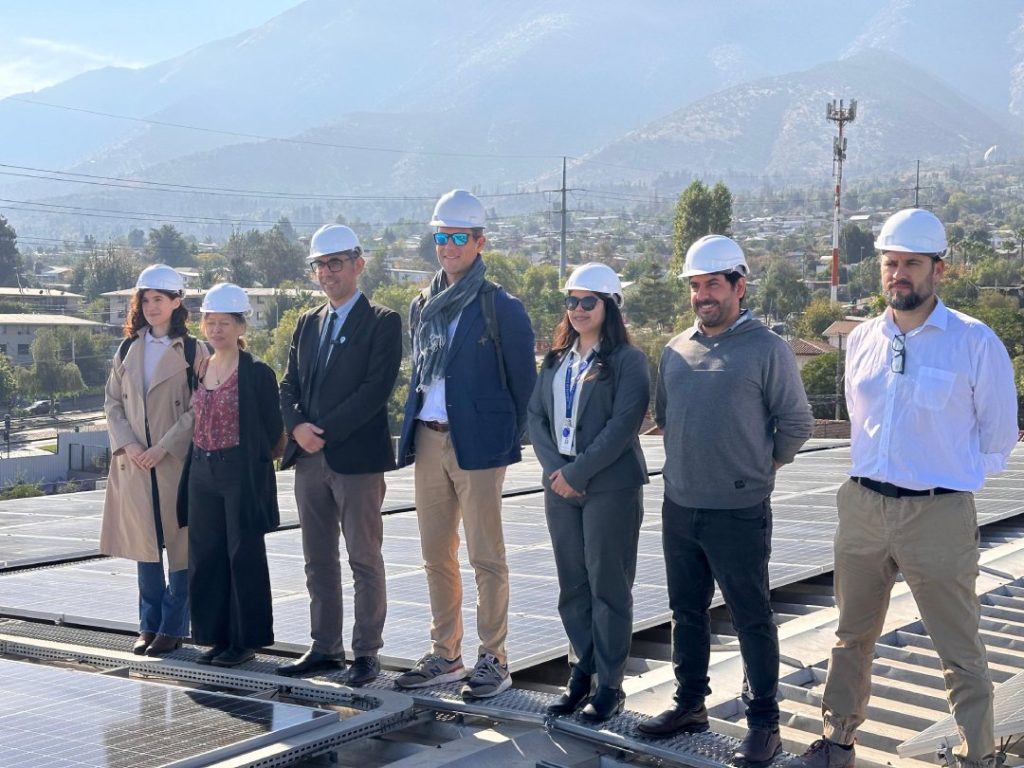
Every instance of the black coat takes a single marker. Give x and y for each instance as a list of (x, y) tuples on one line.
[(354, 393), (260, 427)]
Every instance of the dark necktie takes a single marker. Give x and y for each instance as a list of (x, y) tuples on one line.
[(321, 364)]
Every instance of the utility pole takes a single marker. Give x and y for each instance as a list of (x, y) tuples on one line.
[(841, 116), (562, 266)]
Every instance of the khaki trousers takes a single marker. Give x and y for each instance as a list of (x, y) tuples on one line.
[(445, 493), (933, 541)]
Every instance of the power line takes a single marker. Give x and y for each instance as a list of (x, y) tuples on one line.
[(263, 137)]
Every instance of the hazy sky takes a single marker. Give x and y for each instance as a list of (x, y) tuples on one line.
[(45, 41)]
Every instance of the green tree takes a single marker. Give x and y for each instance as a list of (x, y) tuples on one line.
[(112, 269), (8, 381), (819, 377), (654, 300), (87, 350), (399, 296), (699, 212), (957, 289), (819, 315), (375, 273), (855, 244), (49, 375), (274, 257), (506, 271), (166, 245), (543, 299), (10, 257), (782, 290)]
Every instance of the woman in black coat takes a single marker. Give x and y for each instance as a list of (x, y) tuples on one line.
[(228, 496)]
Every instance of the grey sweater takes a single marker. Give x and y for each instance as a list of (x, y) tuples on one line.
[(730, 406)]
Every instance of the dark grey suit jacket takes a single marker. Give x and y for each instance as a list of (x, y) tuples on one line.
[(611, 411)]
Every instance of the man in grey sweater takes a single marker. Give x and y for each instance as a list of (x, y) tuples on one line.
[(733, 410)]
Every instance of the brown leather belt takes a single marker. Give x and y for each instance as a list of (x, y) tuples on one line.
[(437, 426)]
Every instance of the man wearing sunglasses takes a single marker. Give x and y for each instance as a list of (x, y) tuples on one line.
[(342, 365), (933, 409), (473, 373), (733, 410)]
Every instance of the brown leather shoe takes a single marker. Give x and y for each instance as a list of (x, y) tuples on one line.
[(163, 644), (142, 642)]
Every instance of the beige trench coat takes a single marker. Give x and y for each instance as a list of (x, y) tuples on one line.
[(128, 528)]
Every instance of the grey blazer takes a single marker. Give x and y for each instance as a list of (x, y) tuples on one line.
[(611, 411)]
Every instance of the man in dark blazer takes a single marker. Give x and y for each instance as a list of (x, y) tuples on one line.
[(464, 420), (342, 366)]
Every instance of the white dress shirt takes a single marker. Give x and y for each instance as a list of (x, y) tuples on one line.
[(570, 366), (948, 420), (153, 351), (435, 402)]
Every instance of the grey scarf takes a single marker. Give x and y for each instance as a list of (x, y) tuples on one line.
[(430, 344)]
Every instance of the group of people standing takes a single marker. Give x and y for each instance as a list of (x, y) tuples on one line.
[(200, 424)]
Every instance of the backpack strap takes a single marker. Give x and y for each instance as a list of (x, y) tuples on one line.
[(122, 348), (191, 344), (488, 295)]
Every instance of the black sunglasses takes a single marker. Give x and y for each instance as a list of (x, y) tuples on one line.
[(898, 364), (459, 238), (587, 302)]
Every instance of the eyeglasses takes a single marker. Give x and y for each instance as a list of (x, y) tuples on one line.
[(587, 302), (898, 364), (334, 265), (458, 238)]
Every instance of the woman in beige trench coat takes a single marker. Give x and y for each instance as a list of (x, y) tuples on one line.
[(149, 418)]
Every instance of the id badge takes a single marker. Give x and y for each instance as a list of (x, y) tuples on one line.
[(565, 437)]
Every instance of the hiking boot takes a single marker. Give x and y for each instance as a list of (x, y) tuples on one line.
[(490, 677), (432, 669), (824, 754)]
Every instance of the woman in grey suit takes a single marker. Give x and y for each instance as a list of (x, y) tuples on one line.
[(584, 416)]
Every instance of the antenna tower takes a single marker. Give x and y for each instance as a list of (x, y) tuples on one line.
[(840, 115)]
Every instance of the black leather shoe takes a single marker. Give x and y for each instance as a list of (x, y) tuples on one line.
[(604, 704), (363, 670), (576, 692), (313, 661), (676, 720), (759, 746), (142, 643), (232, 657), (207, 657)]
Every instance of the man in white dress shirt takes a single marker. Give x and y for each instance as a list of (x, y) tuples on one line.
[(933, 409)]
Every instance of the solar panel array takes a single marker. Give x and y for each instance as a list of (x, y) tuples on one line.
[(103, 592), (66, 719)]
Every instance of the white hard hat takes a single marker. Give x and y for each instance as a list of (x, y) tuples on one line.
[(160, 277), (460, 209), (714, 253), (595, 277), (912, 230), (331, 239), (226, 297)]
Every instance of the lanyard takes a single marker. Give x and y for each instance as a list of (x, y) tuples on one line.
[(570, 390)]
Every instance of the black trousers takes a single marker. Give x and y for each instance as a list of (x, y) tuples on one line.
[(228, 577), (732, 547)]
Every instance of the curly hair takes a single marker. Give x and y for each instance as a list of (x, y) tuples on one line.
[(136, 321)]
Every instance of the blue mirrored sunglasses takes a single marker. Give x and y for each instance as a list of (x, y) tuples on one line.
[(459, 238)]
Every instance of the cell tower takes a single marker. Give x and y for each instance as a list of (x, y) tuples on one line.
[(839, 115)]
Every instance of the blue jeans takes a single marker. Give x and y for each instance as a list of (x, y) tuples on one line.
[(163, 604), (732, 547)]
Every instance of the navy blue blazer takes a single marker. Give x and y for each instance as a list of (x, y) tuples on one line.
[(487, 421), (610, 414)]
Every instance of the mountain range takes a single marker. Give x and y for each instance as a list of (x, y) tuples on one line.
[(416, 98)]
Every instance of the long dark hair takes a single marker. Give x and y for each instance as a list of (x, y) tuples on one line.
[(613, 336), (136, 321)]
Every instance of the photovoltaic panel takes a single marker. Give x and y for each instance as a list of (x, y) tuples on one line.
[(103, 592), (68, 719)]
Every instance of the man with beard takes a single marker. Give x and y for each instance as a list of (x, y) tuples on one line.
[(933, 409), (733, 410)]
